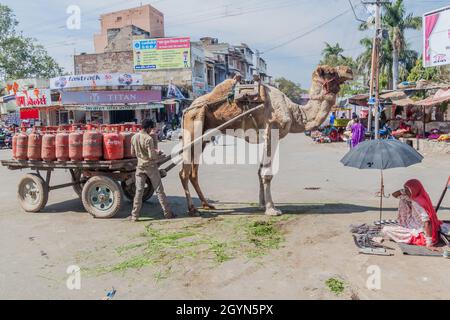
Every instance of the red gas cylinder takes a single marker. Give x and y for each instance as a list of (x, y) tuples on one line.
[(127, 135), (22, 146), (113, 145), (34, 146), (76, 146), (48, 147), (14, 145), (92, 145), (62, 146)]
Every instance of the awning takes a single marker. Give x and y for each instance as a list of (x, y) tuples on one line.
[(404, 102), (398, 98), (443, 95), (359, 100), (393, 95)]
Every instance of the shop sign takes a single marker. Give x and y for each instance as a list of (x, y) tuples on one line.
[(160, 54), (110, 97), (28, 114), (33, 98), (97, 80), (117, 108)]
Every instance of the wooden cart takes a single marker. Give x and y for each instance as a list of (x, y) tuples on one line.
[(101, 185)]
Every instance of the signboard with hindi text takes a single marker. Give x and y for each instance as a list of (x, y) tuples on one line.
[(436, 32), (33, 98), (160, 54)]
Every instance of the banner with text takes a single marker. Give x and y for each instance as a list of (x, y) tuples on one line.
[(160, 54), (436, 30), (110, 97), (97, 80), (33, 98)]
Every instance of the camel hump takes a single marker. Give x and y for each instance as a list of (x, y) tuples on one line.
[(221, 91)]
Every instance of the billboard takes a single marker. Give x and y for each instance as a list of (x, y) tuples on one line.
[(110, 97), (436, 34), (161, 54), (96, 80)]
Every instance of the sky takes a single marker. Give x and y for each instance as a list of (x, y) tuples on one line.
[(289, 33)]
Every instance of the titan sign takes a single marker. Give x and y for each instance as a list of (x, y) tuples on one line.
[(110, 97), (159, 54), (436, 28)]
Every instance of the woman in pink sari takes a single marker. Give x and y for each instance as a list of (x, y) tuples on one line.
[(358, 133), (418, 222)]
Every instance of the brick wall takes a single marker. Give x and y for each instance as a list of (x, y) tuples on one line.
[(109, 62)]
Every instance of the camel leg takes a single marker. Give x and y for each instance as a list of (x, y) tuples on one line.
[(185, 172), (262, 199), (194, 180), (267, 173)]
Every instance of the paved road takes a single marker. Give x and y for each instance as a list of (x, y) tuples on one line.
[(37, 248)]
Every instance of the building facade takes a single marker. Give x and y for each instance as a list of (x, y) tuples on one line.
[(146, 18)]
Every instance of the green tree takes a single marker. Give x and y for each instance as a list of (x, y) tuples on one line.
[(397, 21), (407, 60), (293, 90), (419, 72), (22, 57), (333, 57), (332, 51)]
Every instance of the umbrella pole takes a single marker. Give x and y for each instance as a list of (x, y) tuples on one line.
[(381, 195)]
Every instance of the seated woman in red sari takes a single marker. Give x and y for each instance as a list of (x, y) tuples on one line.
[(417, 219)]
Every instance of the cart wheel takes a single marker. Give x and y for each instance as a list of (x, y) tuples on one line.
[(130, 190), (79, 187), (32, 193), (102, 197)]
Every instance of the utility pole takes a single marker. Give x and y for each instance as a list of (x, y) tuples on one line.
[(374, 91)]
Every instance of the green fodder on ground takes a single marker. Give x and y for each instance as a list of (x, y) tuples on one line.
[(212, 240), (335, 285)]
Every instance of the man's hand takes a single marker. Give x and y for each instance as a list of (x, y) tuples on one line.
[(397, 194)]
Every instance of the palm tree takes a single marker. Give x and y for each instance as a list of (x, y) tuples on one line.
[(332, 51), (398, 21)]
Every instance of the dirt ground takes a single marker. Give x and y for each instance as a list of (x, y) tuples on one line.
[(234, 252)]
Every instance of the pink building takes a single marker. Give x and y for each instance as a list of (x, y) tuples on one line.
[(145, 17)]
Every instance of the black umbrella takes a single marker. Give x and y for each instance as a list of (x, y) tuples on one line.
[(382, 154)]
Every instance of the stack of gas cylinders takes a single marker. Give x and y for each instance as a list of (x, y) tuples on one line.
[(74, 143)]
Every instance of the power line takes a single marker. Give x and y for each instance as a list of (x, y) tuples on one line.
[(307, 32)]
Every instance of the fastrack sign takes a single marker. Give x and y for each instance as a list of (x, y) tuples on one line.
[(96, 80), (110, 97)]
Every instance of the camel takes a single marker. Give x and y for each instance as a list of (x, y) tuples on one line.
[(279, 112)]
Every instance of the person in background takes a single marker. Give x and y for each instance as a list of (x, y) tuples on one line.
[(332, 118), (348, 130), (418, 223), (143, 147), (358, 132)]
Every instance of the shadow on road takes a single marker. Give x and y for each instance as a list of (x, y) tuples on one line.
[(151, 209)]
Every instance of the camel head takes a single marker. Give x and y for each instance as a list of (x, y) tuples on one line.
[(331, 78)]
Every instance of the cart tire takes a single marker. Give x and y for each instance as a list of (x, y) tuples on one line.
[(32, 193), (102, 197), (130, 190)]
